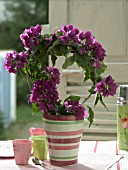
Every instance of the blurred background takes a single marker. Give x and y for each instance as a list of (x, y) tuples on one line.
[(15, 112)]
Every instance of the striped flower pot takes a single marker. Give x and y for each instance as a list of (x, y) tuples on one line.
[(63, 136)]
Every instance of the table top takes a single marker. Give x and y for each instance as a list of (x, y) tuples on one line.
[(93, 155)]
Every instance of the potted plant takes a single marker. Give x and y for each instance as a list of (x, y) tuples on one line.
[(77, 47)]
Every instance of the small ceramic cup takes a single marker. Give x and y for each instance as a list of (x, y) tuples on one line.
[(22, 150)]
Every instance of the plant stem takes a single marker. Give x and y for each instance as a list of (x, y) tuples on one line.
[(28, 79), (86, 98)]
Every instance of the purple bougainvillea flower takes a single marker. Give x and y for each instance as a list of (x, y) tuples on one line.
[(47, 42), (96, 64), (99, 51), (75, 108), (82, 35), (54, 74), (68, 34), (82, 51), (45, 94), (106, 87), (75, 31), (15, 60), (66, 28), (90, 40), (88, 34), (69, 27), (64, 40), (30, 37)]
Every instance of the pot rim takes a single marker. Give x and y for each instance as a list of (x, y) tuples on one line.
[(62, 117)]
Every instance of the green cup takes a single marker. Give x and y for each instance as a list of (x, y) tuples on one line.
[(40, 149)]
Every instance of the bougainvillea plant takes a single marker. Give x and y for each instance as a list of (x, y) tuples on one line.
[(77, 47)]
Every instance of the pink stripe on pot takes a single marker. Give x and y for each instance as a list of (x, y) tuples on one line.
[(64, 133), (63, 147), (62, 117), (63, 163), (71, 140)]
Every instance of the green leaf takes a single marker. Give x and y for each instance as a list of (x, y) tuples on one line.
[(47, 35), (59, 33), (63, 50), (24, 70), (43, 60), (73, 98), (101, 100), (89, 74), (97, 98), (82, 61), (101, 70), (91, 90), (35, 108), (69, 49), (86, 77), (53, 58), (68, 62), (91, 115), (57, 42)]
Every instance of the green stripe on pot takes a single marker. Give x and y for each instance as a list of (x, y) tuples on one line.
[(64, 123), (64, 158)]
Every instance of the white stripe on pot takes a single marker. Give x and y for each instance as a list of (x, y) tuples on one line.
[(64, 159), (62, 128), (66, 144), (63, 153)]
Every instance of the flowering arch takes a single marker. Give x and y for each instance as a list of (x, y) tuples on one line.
[(77, 47)]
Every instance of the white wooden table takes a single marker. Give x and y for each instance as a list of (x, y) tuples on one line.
[(97, 155)]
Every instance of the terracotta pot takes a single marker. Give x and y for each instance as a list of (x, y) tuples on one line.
[(63, 136)]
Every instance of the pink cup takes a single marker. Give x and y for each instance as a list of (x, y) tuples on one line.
[(22, 150), (36, 131)]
